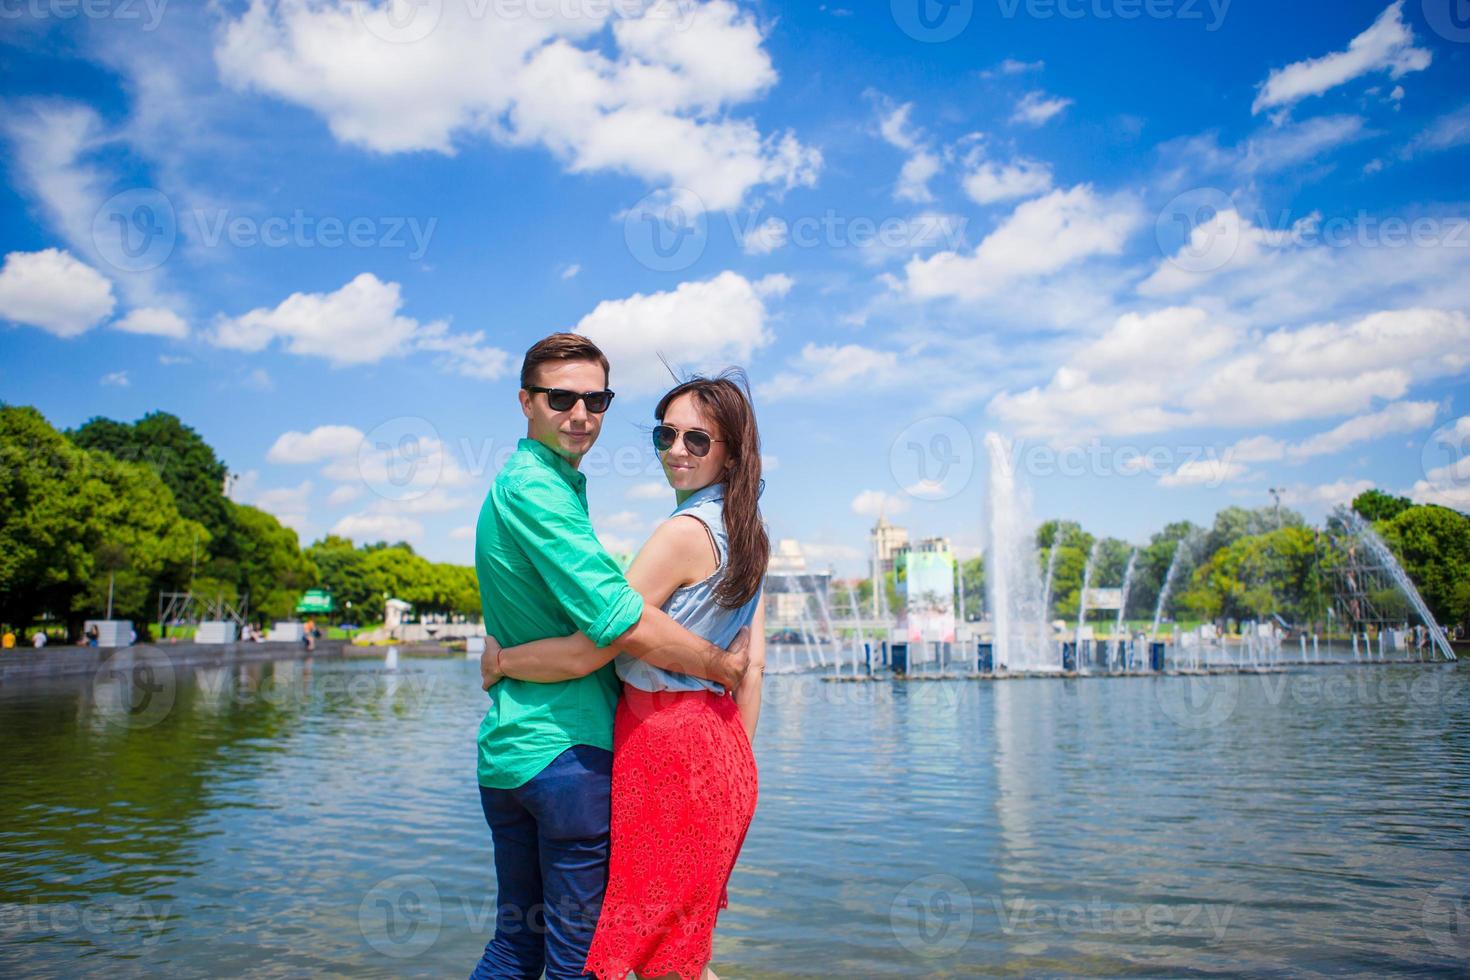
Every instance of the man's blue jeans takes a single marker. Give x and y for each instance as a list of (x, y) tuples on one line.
[(551, 846)]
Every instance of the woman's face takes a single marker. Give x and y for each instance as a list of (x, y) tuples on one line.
[(683, 469)]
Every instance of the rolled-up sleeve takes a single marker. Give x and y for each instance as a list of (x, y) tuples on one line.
[(546, 518)]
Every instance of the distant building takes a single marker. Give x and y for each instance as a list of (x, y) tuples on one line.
[(887, 540), (791, 586), (927, 545)]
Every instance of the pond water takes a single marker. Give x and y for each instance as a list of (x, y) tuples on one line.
[(291, 819)]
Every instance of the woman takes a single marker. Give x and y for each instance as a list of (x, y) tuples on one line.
[(683, 779)]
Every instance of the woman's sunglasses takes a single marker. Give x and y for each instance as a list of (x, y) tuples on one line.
[(562, 400), (697, 442)]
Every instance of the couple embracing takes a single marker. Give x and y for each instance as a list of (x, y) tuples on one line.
[(615, 762)]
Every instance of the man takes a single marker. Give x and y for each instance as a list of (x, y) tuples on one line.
[(545, 750)]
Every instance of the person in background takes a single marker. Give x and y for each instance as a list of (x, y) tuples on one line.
[(7, 640), (39, 640)]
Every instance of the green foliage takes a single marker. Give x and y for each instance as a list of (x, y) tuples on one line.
[(175, 453), (1375, 505), (1260, 575), (1433, 545), (75, 519)]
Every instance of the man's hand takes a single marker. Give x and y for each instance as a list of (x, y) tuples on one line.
[(735, 661), (489, 672)]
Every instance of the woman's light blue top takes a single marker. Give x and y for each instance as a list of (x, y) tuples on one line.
[(694, 607)]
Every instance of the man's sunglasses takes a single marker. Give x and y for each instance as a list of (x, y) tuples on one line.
[(562, 400), (697, 442)]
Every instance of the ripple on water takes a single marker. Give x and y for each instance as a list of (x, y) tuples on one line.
[(277, 817)]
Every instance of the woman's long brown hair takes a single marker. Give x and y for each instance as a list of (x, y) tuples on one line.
[(726, 400)]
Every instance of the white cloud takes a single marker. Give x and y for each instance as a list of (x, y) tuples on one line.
[(990, 181), (52, 143), (1448, 131), (570, 271), (652, 490), (615, 544), (320, 444), (650, 97), (343, 495), (52, 290), (155, 322), (704, 326), (1037, 108), (1388, 45), (465, 532), (289, 505), (875, 503), (823, 368), (1040, 237), (623, 520), (1204, 472), (1325, 494), (116, 379), (922, 165), (465, 354), (1179, 368), (1398, 417), (367, 527), (1013, 66), (357, 324), (765, 238)]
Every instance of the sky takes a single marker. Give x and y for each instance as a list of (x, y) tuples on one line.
[(1143, 259)]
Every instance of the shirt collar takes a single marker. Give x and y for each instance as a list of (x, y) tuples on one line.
[(555, 461), (715, 491)]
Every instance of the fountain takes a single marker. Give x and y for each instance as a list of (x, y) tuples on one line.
[(1168, 586), (1012, 583), (1384, 554), (390, 662), (1120, 640), (1082, 596)]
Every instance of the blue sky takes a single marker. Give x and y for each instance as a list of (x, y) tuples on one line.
[(1178, 253)]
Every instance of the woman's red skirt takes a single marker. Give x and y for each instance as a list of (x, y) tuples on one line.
[(683, 795)]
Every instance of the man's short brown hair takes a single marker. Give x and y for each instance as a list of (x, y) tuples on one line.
[(561, 347)]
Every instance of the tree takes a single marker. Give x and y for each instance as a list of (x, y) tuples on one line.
[(1433, 545), (1375, 505), (75, 517), (268, 563), (1178, 538), (176, 453)]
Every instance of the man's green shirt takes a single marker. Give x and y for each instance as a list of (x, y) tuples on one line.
[(543, 573)]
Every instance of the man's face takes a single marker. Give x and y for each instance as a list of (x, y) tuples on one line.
[(571, 433)]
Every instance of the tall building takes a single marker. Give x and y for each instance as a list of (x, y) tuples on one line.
[(887, 540)]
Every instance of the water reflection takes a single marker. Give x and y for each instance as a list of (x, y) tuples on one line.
[(298, 817)]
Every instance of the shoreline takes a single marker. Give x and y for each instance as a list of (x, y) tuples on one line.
[(19, 666)]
